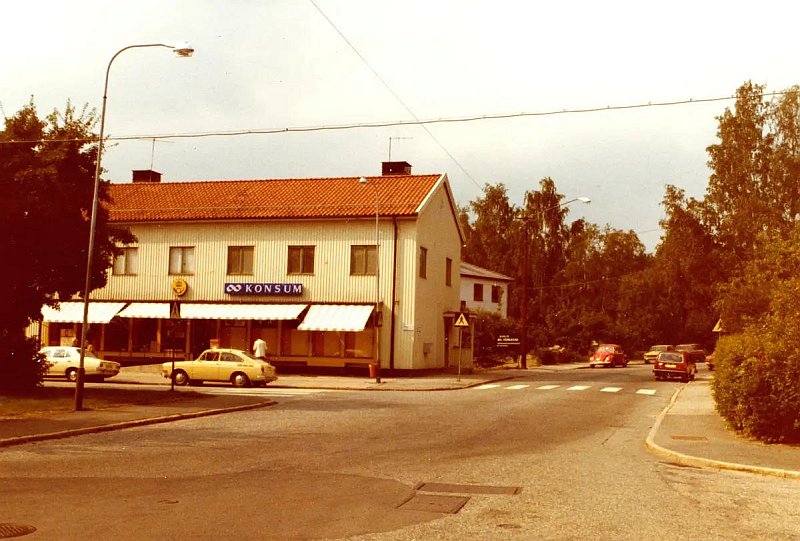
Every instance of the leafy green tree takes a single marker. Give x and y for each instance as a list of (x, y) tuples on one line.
[(46, 189)]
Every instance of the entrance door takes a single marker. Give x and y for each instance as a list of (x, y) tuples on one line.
[(449, 319)]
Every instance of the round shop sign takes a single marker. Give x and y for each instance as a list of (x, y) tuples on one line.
[(179, 287)]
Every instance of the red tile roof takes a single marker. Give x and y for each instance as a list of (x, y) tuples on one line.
[(398, 195)]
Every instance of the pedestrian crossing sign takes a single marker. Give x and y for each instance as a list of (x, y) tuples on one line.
[(461, 321)]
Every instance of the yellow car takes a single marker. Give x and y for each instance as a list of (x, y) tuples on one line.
[(238, 367), (652, 355), (63, 362)]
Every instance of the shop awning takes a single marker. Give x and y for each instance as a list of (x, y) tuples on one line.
[(241, 311), (72, 312), (336, 317), (155, 310)]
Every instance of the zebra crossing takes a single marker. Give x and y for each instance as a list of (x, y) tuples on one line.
[(569, 388)]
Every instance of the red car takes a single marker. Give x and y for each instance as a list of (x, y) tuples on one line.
[(608, 355), (675, 364)]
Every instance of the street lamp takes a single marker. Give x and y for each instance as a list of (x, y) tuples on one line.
[(182, 50), (375, 321), (523, 339)]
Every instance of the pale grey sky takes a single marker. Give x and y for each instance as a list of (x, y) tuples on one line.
[(262, 65)]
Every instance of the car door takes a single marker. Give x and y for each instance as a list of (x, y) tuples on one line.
[(59, 359), (228, 364), (206, 367)]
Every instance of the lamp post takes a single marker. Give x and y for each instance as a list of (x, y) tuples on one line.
[(523, 339), (375, 321), (182, 50)]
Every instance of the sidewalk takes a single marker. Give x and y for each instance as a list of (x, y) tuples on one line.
[(688, 432)]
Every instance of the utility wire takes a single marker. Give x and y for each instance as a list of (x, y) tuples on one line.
[(389, 123), (398, 98)]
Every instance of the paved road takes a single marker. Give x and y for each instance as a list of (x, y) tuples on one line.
[(345, 465)]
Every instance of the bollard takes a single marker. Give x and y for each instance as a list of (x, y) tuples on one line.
[(375, 372)]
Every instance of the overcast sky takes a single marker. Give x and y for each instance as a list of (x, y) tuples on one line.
[(277, 64)]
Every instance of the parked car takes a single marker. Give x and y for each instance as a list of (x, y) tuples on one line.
[(64, 361), (608, 355), (710, 361), (238, 367), (696, 351), (652, 355), (675, 364)]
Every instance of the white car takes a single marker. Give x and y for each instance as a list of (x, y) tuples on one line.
[(63, 362)]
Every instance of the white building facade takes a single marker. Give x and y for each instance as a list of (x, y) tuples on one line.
[(484, 290), (331, 272)]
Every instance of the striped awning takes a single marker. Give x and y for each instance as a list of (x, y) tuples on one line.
[(72, 312), (336, 317), (156, 310), (241, 311)]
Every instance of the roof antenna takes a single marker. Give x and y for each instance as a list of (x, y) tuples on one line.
[(153, 150), (390, 145), (3, 110)]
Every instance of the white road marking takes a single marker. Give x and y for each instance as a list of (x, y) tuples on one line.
[(487, 386), (646, 391), (548, 387), (515, 387), (611, 389), (263, 392), (578, 387)]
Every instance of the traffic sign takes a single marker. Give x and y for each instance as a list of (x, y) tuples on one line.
[(461, 321)]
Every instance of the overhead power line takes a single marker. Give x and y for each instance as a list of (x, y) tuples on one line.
[(394, 123)]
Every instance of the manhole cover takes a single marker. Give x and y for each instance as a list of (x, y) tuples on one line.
[(14, 530), (466, 489), (434, 503), (689, 438)]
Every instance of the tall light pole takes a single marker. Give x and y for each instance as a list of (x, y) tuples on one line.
[(182, 50), (523, 339), (365, 181)]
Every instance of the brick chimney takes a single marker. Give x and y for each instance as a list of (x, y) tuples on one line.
[(146, 175), (396, 168)]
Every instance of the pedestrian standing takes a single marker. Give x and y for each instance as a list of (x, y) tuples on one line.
[(260, 349)]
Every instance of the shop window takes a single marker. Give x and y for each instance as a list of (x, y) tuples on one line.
[(144, 335), (477, 292), (181, 260), (363, 260), (240, 260), (496, 294), (423, 262), (116, 335), (326, 344), (301, 260), (294, 343), (173, 335), (359, 345), (126, 262), (448, 272)]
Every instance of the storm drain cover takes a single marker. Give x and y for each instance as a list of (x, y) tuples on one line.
[(466, 489), (434, 503), (14, 530), (689, 438)]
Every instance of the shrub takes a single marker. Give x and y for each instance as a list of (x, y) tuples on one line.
[(756, 386), (21, 367)]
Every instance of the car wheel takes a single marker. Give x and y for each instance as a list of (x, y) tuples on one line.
[(685, 378), (72, 374), (240, 380), (180, 377)]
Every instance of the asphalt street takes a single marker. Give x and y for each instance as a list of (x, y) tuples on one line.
[(545, 455)]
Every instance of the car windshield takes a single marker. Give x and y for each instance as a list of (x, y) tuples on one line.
[(687, 347), (612, 349), (670, 357), (660, 348)]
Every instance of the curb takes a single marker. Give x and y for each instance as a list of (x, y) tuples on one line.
[(689, 460), (19, 440), (339, 388)]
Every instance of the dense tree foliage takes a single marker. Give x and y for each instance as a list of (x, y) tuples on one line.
[(46, 189)]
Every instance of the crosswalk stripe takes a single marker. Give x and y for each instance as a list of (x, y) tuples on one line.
[(548, 387), (611, 389), (515, 387), (646, 391), (578, 387), (487, 386)]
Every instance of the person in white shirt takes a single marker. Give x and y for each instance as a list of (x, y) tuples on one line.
[(260, 349)]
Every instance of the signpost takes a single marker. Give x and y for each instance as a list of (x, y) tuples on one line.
[(461, 322)]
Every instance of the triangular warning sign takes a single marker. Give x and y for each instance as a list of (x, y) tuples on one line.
[(718, 327), (461, 321)]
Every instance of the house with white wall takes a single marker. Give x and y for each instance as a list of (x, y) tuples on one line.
[(484, 290), (330, 272)]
